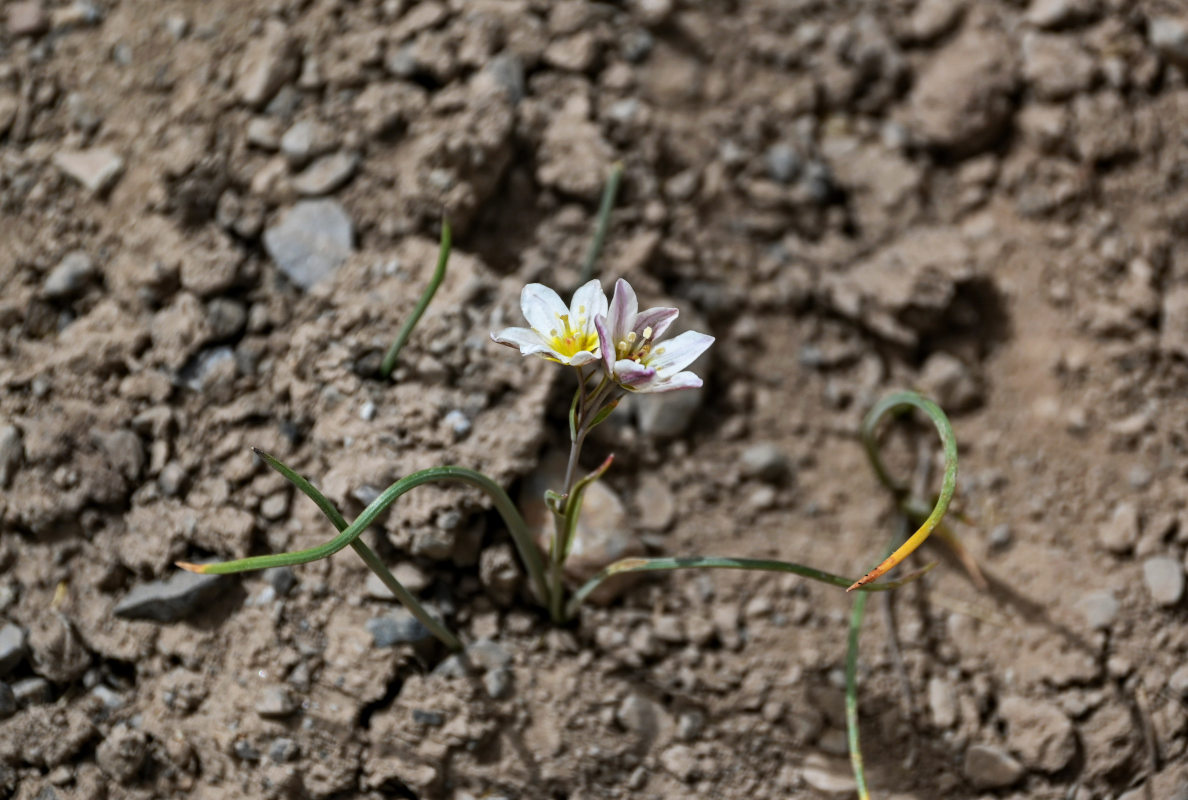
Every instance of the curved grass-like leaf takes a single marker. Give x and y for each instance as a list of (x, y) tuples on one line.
[(627, 565), (897, 403), (443, 258)]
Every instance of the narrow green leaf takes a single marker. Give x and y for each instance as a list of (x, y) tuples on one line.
[(443, 258)]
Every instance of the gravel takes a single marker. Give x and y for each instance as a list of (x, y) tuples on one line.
[(310, 241), (990, 767), (1164, 578), (177, 597), (73, 273)]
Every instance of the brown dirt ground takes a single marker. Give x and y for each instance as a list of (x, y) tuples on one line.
[(986, 200)]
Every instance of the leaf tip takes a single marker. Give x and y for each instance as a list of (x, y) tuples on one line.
[(188, 567)]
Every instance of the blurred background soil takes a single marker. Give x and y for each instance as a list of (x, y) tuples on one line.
[(215, 216)]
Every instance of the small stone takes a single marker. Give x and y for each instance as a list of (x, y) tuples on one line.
[(1169, 37), (283, 750), (934, 18), (950, 382), (8, 701), (269, 62), (177, 597), (679, 761), (177, 26), (172, 479), (1000, 536), (1173, 328), (31, 691), (487, 655), (1177, 683), (245, 751), (1121, 533), (327, 174), (12, 647), (637, 714), (1100, 609), (654, 502), (942, 703), (111, 699), (498, 683), (264, 133), (310, 241), (767, 462), (500, 573), (830, 779), (226, 318), (12, 453), (1050, 14), (653, 12), (367, 411), (97, 169), (27, 18), (726, 626), (305, 140), (70, 277), (1039, 732), (55, 650), (783, 163), (397, 627), (1165, 580), (281, 579), (689, 725), (124, 452), (275, 506), (121, 754), (1056, 66), (989, 767), (458, 423), (275, 702)]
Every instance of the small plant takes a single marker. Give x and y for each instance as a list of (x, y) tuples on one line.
[(613, 348)]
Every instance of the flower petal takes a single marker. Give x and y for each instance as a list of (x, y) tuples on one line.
[(658, 319), (605, 346), (623, 308), (633, 375), (528, 340), (581, 358), (672, 356), (588, 302), (682, 380), (541, 307)]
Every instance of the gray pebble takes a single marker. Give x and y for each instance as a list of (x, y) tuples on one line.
[(97, 169), (1000, 536), (1165, 580), (12, 453), (637, 714), (12, 647), (244, 750), (766, 461), (70, 277), (310, 240), (212, 366), (226, 317), (398, 627), (8, 701), (1100, 609), (283, 750), (172, 479), (306, 140), (636, 45), (177, 26), (1177, 683), (367, 411), (275, 702), (488, 655), (428, 718), (177, 597), (1121, 533), (783, 163), (457, 422), (327, 174), (31, 691), (989, 767), (498, 682), (689, 725), (111, 699), (1169, 37)]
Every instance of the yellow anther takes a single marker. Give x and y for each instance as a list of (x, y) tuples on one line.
[(631, 337), (648, 332)]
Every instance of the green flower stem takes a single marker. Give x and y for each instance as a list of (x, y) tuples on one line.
[(857, 611), (896, 403), (710, 562), (503, 504), (609, 193), (443, 257)]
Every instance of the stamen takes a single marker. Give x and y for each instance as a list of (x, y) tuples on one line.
[(631, 338), (648, 332)]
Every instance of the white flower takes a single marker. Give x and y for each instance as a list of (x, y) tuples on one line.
[(629, 349), (564, 335)]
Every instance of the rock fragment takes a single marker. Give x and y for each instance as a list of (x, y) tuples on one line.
[(12, 453), (1100, 609), (12, 647), (1121, 533), (310, 241), (989, 767), (1164, 578), (70, 277), (179, 596), (1039, 732), (327, 174), (269, 62), (97, 169), (27, 18), (962, 101), (1169, 37), (121, 754)]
